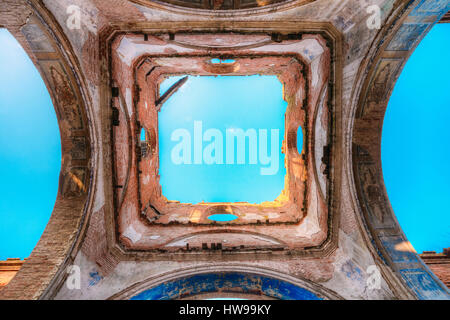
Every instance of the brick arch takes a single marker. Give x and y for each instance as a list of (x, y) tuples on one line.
[(387, 56), (209, 281), (222, 8), (47, 47)]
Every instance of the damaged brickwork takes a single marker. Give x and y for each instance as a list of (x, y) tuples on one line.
[(146, 218)]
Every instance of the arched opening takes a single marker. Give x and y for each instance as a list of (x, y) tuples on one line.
[(234, 284), (217, 60), (222, 217), (415, 139), (300, 140), (143, 135), (30, 153)]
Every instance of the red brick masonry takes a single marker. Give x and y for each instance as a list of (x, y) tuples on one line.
[(8, 270), (439, 263)]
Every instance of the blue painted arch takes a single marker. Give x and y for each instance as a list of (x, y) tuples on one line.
[(226, 281)]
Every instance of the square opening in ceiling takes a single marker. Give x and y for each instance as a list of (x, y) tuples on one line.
[(220, 139), (148, 216)]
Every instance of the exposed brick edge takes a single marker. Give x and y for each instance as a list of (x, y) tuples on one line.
[(50, 252)]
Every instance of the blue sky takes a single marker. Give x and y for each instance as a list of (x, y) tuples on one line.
[(416, 144), (30, 151), (415, 147), (222, 103)]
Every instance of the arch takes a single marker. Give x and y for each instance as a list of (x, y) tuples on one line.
[(213, 281), (229, 281), (44, 42), (219, 8), (399, 263)]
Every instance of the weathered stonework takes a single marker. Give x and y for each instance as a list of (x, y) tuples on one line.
[(90, 225)]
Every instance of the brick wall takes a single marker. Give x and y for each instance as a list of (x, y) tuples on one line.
[(439, 263), (8, 270)]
